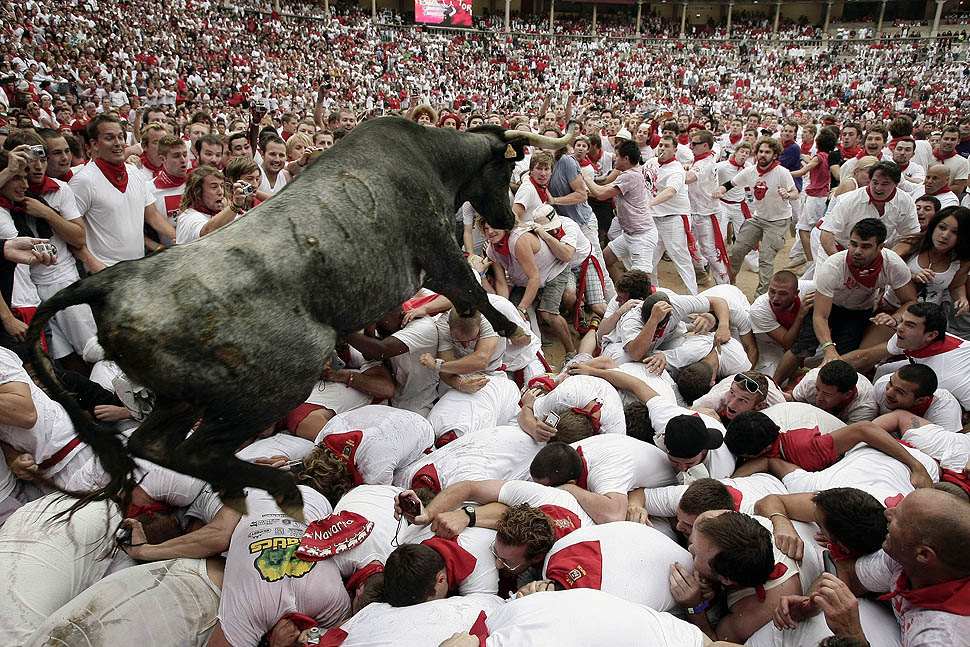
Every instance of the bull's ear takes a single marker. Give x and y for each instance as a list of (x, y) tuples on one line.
[(510, 152)]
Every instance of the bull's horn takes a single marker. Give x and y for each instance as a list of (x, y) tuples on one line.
[(542, 141)]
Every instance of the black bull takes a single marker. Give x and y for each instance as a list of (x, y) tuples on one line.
[(235, 327)]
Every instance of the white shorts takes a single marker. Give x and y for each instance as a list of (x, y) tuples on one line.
[(635, 250), (812, 212), (161, 604)]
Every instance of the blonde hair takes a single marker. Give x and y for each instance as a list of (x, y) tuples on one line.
[(169, 143), (293, 140), (546, 158), (154, 126), (865, 163)]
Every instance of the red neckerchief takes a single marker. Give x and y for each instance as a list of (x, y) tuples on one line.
[(872, 199), (502, 246), (595, 158), (735, 164), (736, 496), (920, 409), (942, 157), (67, 176), (770, 168), (849, 152), (946, 189), (786, 317), (586, 161), (10, 206), (541, 190), (301, 621), (558, 234), (206, 210), (698, 158), (734, 139), (849, 397), (683, 139), (134, 510), (589, 414), (866, 276), (116, 174), (459, 563), (46, 185), (948, 343), (165, 181), (776, 572), (583, 478), (148, 164), (839, 554), (951, 597), (806, 147), (667, 162), (862, 153), (964, 140), (903, 167)]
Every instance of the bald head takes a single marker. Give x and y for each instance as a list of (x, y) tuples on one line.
[(941, 522), (937, 177)]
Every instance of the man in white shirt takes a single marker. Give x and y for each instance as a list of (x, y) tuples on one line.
[(913, 173), (881, 200), (913, 388), (708, 224), (773, 187), (582, 406), (838, 389), (274, 174), (207, 207), (670, 207), (114, 201), (946, 154), (777, 316), (847, 285), (937, 185), (169, 182)]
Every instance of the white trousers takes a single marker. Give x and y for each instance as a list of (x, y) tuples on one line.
[(673, 239), (703, 228)]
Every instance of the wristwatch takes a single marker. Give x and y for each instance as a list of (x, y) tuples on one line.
[(470, 511), (700, 608)]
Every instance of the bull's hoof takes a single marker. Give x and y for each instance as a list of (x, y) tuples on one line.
[(293, 510)]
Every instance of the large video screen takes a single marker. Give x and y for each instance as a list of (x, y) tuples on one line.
[(448, 13)]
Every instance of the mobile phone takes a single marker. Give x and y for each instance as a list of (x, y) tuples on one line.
[(551, 419), (829, 563), (337, 364), (295, 467), (410, 505)]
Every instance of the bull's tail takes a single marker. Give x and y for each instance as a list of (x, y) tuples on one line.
[(103, 439)]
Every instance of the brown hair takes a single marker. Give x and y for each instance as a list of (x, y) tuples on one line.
[(194, 183), (706, 494), (573, 427), (547, 158), (169, 143), (326, 473), (771, 143), (240, 166), (523, 525)]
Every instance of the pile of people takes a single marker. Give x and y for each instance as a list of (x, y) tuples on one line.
[(753, 432)]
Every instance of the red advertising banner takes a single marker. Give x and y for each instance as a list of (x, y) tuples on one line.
[(446, 13)]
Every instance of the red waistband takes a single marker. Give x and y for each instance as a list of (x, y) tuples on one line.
[(60, 454)]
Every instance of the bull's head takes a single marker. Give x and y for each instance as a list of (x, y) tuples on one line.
[(488, 192)]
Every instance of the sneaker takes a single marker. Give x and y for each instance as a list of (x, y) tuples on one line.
[(795, 261)]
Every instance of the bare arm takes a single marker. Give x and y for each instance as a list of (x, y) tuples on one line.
[(16, 406), (663, 196), (806, 169), (158, 222), (603, 508), (377, 349), (477, 360), (526, 257), (827, 239), (211, 539), (578, 195), (877, 438), (820, 322)]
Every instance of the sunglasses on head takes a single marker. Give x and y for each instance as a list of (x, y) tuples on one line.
[(749, 384)]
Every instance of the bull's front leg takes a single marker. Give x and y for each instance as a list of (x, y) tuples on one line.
[(449, 274)]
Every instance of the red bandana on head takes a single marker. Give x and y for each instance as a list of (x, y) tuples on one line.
[(589, 414), (866, 276), (459, 563), (47, 185), (345, 446), (116, 174), (541, 190), (563, 521)]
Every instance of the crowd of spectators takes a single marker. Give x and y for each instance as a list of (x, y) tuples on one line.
[(703, 463)]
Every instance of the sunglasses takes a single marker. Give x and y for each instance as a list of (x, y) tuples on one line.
[(748, 384)]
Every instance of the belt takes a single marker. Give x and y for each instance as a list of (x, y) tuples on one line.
[(60, 454)]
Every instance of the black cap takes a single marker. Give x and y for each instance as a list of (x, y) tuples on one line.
[(687, 436)]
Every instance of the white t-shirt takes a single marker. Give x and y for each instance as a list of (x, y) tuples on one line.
[(578, 391), (791, 569), (189, 224), (264, 181), (714, 399), (555, 502), (951, 449), (53, 429), (585, 617), (862, 407), (763, 320), (419, 625), (529, 198), (944, 410), (768, 205), (867, 469), (462, 349), (167, 201), (64, 202), (379, 440), (518, 357), (624, 559), (720, 462), (952, 367), (661, 176), (879, 573), (738, 306), (503, 453), (662, 384), (415, 386), (701, 192), (264, 580), (114, 222), (833, 279), (617, 463), (631, 324), (746, 491), (800, 415), (899, 215), (375, 503)]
